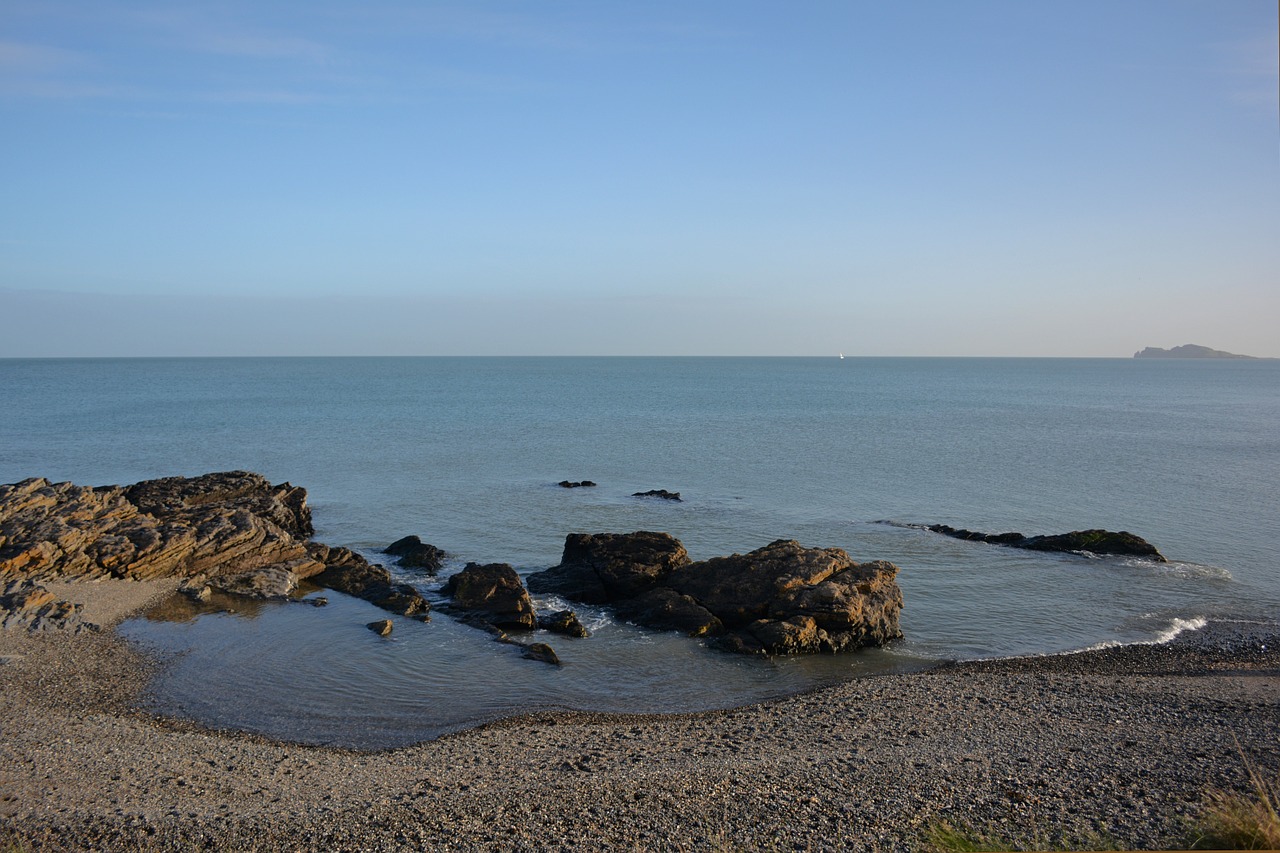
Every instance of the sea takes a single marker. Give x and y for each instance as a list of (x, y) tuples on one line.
[(854, 453)]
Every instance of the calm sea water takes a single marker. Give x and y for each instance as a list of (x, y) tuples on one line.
[(466, 453)]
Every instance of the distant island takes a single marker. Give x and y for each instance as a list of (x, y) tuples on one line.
[(1186, 351)]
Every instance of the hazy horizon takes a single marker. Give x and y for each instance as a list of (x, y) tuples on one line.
[(925, 178)]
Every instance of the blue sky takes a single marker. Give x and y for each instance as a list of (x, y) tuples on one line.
[(988, 177)]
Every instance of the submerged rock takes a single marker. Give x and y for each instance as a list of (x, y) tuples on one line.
[(542, 652), (382, 627), (1103, 542), (575, 484), (779, 599), (657, 493)]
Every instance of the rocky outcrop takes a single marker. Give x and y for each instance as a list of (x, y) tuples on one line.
[(779, 599), (575, 484), (601, 568), (1101, 542), (346, 571), (658, 493), (216, 525), (491, 594), (413, 553), (230, 531)]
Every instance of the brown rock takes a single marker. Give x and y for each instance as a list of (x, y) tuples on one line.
[(563, 622), (346, 571), (604, 567), (382, 627), (491, 593)]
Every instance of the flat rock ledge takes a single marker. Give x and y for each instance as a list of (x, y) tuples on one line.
[(232, 531), (1101, 542), (780, 599)]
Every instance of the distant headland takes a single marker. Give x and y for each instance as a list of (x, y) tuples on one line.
[(1186, 351)]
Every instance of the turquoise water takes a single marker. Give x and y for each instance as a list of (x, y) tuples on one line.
[(466, 452)]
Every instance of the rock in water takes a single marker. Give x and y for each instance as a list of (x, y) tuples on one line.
[(780, 599), (416, 554), (658, 493), (563, 622), (542, 652), (493, 594), (601, 568), (1102, 542), (382, 627), (346, 571)]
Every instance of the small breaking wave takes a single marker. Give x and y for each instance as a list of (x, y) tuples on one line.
[(1176, 627)]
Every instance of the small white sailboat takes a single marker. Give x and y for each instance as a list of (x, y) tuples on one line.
[(842, 356)]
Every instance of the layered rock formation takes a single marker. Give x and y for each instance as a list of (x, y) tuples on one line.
[(1102, 542), (233, 531), (779, 599)]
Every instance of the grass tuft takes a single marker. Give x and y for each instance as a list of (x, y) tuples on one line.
[(1233, 821)]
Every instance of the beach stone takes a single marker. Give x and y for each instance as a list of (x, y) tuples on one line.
[(491, 593), (601, 568), (382, 627), (563, 622), (1096, 541), (414, 553)]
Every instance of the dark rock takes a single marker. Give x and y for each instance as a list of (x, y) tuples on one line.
[(382, 627), (414, 553), (667, 610), (491, 593), (1102, 542), (604, 567), (319, 601), (657, 493), (785, 598), (780, 599), (346, 571), (563, 622), (542, 652), (567, 484)]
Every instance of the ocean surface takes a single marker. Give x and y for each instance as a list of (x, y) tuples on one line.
[(466, 453)]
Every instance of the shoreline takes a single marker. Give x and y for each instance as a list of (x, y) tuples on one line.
[(1119, 743)]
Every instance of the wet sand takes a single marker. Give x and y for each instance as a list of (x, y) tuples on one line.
[(1116, 746)]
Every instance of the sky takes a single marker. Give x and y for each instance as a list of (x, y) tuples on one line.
[(917, 177)]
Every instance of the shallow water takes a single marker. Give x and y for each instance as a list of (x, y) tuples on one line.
[(466, 454)]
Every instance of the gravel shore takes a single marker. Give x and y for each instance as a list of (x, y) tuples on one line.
[(1117, 746)]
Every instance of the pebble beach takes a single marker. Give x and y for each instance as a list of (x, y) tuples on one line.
[(1115, 747)]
